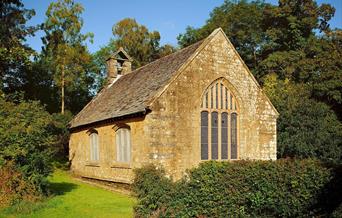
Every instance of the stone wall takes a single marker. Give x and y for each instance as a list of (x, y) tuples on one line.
[(174, 124), (107, 168), (170, 134)]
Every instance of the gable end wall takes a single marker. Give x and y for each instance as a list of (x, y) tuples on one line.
[(173, 127)]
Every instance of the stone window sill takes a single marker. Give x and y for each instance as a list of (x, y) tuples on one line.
[(121, 165), (92, 164)]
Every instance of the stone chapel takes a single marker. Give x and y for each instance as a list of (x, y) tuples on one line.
[(200, 103)]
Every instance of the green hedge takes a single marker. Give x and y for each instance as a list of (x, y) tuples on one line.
[(286, 188)]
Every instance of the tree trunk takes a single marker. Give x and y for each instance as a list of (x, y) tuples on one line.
[(62, 110)]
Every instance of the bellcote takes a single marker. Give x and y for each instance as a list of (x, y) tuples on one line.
[(118, 64)]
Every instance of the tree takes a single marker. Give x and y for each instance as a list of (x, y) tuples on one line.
[(306, 128), (14, 54), (281, 46), (99, 59), (318, 63), (166, 50), (141, 44), (326, 69), (290, 24), (64, 44), (241, 21)]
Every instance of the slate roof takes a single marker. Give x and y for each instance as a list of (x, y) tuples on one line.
[(133, 92)]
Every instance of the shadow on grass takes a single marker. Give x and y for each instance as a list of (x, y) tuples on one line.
[(60, 188)]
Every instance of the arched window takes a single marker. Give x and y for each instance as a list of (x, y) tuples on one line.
[(94, 145), (123, 145), (219, 123)]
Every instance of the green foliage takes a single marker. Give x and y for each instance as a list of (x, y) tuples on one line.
[(327, 53), (26, 140), (290, 24), (60, 129), (141, 44), (300, 70), (64, 47), (310, 130), (306, 128), (285, 188), (318, 63), (241, 21), (99, 59), (152, 189), (14, 54), (136, 39)]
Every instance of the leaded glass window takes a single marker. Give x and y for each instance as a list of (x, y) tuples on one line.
[(219, 123)]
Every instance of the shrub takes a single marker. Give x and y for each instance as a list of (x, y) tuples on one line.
[(286, 188), (26, 142), (13, 187), (152, 189)]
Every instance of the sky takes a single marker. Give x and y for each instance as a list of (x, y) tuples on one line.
[(168, 17)]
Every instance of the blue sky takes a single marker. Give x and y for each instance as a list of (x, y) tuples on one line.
[(170, 17)]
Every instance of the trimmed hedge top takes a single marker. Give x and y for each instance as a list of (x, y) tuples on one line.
[(286, 188)]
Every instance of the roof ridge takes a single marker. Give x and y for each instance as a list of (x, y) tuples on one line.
[(162, 69), (174, 53), (202, 43)]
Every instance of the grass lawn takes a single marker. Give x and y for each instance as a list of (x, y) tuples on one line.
[(75, 199)]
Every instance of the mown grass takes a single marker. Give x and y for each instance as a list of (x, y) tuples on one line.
[(74, 199)]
